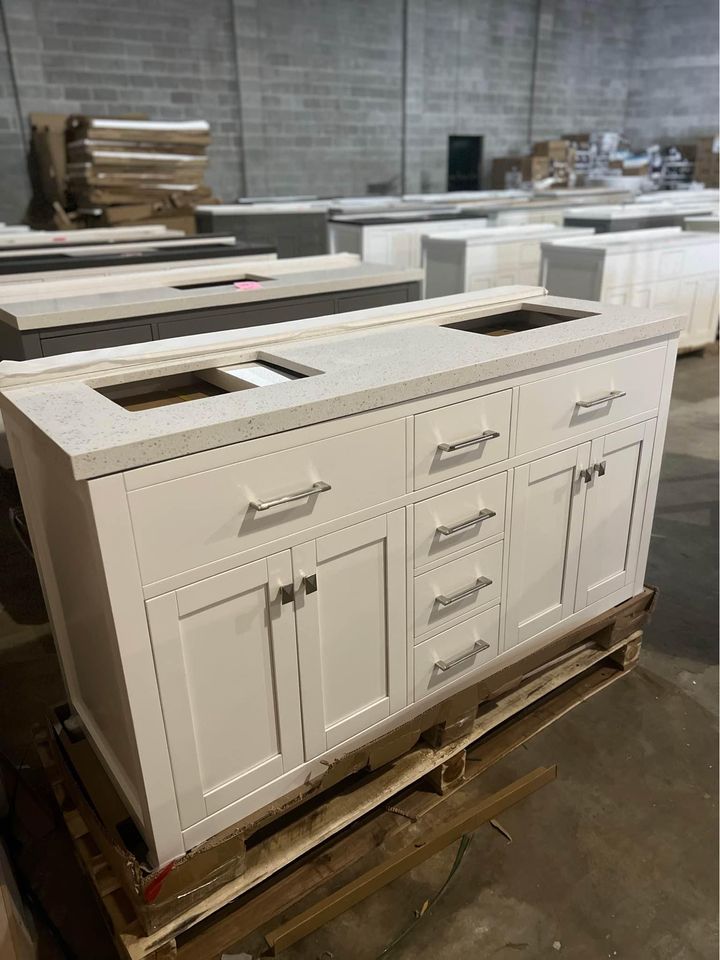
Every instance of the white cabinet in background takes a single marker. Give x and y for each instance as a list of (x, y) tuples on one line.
[(497, 257), (668, 267), (393, 239)]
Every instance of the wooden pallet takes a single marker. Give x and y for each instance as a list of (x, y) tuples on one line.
[(291, 859)]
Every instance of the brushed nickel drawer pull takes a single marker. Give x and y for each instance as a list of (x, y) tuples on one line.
[(481, 438), (319, 487), (478, 647), (613, 395), (483, 515), (479, 584)]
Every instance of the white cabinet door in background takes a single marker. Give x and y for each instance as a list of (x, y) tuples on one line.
[(351, 616), (226, 659), (547, 508), (614, 508)]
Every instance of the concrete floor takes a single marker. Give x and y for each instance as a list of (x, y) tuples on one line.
[(618, 858)]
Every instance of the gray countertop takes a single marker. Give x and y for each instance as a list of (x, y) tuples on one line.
[(361, 368), (320, 275)]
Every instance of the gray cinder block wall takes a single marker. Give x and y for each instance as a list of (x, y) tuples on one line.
[(346, 96), (673, 91)]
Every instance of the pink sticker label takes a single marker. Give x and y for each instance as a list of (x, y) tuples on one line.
[(247, 285), (59, 239)]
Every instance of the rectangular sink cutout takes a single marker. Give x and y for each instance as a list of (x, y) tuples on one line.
[(210, 284), (198, 384), (514, 321)]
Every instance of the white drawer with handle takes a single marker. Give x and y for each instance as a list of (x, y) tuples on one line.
[(598, 395), (459, 519), (456, 652), (185, 523), (457, 588), (461, 437)]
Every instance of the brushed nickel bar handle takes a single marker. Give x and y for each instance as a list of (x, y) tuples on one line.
[(319, 487), (478, 647), (613, 395), (483, 515), (481, 438), (479, 584)]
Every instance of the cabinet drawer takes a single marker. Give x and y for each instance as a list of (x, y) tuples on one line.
[(456, 652), (459, 519), (185, 523), (552, 410), (461, 437), (457, 589)]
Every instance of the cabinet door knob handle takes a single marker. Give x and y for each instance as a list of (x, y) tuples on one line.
[(599, 468), (319, 487), (309, 584), (287, 593), (606, 398), (463, 525), (478, 647), (460, 444), (585, 475), (479, 584)]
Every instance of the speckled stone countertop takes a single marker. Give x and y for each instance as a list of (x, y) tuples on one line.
[(273, 278), (362, 368)]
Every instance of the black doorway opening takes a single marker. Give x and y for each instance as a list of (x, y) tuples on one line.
[(464, 163)]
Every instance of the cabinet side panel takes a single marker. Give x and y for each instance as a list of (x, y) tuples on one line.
[(62, 529)]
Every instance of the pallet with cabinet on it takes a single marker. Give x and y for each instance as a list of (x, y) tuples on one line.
[(231, 621), (288, 851)]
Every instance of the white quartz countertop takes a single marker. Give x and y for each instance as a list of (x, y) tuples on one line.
[(361, 368), (275, 279), (628, 239), (471, 236)]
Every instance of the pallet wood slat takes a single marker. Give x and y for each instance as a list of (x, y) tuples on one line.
[(465, 822)]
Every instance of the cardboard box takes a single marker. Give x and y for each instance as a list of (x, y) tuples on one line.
[(707, 158), (552, 149), (530, 169)]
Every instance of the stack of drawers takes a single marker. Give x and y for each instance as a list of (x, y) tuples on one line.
[(458, 539)]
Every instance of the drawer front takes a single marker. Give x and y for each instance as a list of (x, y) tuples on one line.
[(457, 588), (456, 652), (186, 523), (461, 437), (459, 519), (556, 409)]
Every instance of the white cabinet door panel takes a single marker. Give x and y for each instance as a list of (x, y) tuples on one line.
[(614, 508), (546, 524), (226, 661), (351, 629)]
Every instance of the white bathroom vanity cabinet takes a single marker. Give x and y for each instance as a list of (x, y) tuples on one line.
[(246, 581), (474, 259), (668, 268)]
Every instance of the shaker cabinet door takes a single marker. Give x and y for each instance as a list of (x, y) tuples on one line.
[(614, 510), (351, 627), (226, 660), (547, 508)]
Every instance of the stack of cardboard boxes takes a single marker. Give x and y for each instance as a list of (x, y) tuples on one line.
[(549, 158), (131, 171), (99, 171)]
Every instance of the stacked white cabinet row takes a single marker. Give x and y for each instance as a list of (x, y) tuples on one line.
[(668, 267), (496, 257)]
